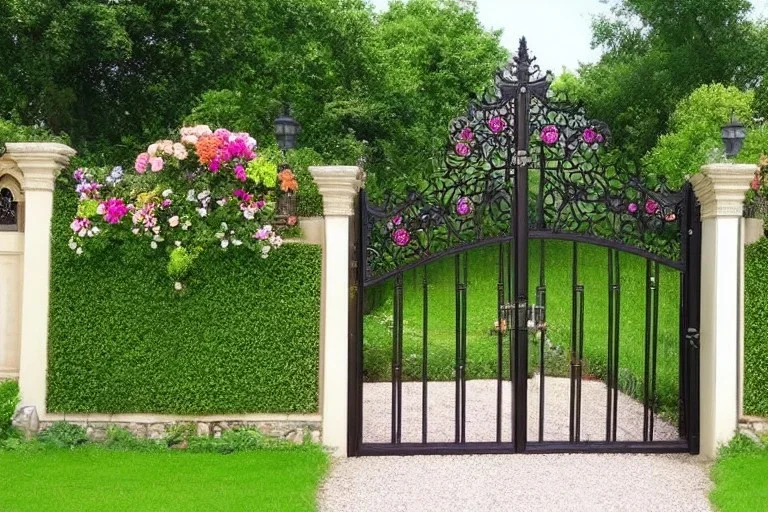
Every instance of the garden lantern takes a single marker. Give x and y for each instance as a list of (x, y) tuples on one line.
[(733, 135), (286, 130)]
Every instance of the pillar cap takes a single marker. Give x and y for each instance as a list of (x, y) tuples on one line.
[(720, 188), (338, 184), (39, 162)]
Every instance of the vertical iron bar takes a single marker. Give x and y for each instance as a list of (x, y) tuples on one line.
[(692, 302), (654, 344), (647, 356), (616, 338), (463, 367), (424, 355), (541, 301), (574, 346), (500, 330), (397, 360), (580, 368), (355, 373), (457, 284), (609, 372)]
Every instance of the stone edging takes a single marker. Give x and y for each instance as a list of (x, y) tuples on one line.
[(753, 427), (292, 427)]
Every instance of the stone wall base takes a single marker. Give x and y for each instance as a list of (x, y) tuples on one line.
[(294, 428), (754, 427)]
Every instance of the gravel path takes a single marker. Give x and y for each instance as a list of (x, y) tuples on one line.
[(489, 483), (481, 412)]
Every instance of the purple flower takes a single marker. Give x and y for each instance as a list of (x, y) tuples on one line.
[(632, 208), (242, 195), (497, 124), (240, 172), (113, 210), (589, 135), (651, 207), (464, 206), (397, 220), (80, 223), (549, 134), (600, 137), (78, 175), (263, 233), (467, 134), (463, 149), (401, 237), (166, 203)]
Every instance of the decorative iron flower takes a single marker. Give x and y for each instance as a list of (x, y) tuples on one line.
[(589, 135), (401, 237), (651, 207), (497, 124), (467, 134), (550, 135), (464, 206), (462, 149), (632, 208)]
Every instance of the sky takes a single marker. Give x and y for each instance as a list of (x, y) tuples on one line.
[(558, 31)]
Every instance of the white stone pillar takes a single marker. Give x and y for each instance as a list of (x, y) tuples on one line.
[(39, 163), (338, 185), (720, 189)]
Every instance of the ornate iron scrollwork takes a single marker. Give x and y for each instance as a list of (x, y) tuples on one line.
[(580, 189), (8, 209)]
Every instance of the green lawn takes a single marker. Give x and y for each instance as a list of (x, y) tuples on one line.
[(740, 476), (95, 479), (481, 315)]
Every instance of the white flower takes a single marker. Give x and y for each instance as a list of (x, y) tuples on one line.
[(224, 243), (79, 251), (186, 225), (191, 195), (167, 192), (177, 286), (95, 230), (156, 230), (152, 149), (153, 244), (158, 238), (202, 212), (265, 249), (173, 221), (248, 213), (82, 232), (177, 243), (222, 201), (219, 235), (72, 244), (135, 231), (202, 195), (237, 242), (100, 209), (223, 226)]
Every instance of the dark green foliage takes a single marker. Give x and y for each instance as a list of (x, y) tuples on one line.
[(63, 435), (9, 399), (756, 329), (242, 337)]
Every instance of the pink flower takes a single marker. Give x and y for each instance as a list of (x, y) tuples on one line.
[(141, 163), (113, 209), (464, 206), (397, 220), (80, 223), (589, 135), (462, 149), (263, 233), (467, 134), (651, 207), (156, 163), (242, 195), (670, 217), (549, 135), (78, 175), (632, 208), (497, 124), (173, 221), (401, 237), (223, 134), (756, 183), (240, 172), (166, 203), (215, 165)]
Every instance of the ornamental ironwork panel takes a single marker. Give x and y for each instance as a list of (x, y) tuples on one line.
[(577, 186), (8, 211)]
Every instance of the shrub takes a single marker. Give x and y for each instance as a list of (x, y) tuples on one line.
[(9, 399), (242, 337), (63, 435), (755, 332)]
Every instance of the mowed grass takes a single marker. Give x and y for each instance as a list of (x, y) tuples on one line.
[(95, 479), (740, 476), (482, 313)]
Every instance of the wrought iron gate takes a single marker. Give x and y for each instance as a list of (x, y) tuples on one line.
[(522, 133)]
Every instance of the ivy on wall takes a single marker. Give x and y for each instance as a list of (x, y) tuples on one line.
[(755, 331), (243, 337)]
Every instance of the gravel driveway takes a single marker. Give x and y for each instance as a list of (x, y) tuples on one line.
[(489, 483)]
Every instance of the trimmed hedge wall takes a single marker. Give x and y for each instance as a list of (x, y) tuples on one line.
[(756, 329), (242, 337)]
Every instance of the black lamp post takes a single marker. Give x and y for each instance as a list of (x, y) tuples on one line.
[(733, 135), (286, 131)]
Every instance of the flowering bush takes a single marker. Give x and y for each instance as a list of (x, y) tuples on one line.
[(208, 189)]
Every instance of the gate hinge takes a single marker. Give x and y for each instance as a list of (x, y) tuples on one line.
[(694, 338)]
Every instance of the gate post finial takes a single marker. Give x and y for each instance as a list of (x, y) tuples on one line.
[(720, 189), (339, 186)]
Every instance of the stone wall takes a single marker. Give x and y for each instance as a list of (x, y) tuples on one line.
[(754, 427)]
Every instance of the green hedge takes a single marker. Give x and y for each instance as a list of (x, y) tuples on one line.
[(756, 329), (242, 337)]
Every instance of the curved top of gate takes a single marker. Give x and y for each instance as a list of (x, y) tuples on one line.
[(578, 191)]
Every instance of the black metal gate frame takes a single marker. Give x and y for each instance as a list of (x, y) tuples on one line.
[(509, 152)]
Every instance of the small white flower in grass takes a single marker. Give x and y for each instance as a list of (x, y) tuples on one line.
[(237, 242), (222, 201), (79, 251), (82, 233), (156, 230), (224, 243), (186, 225), (153, 244), (72, 244), (204, 194), (167, 192), (173, 221), (95, 231), (224, 226), (191, 195), (202, 212), (178, 286), (158, 238), (135, 231), (219, 235)]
